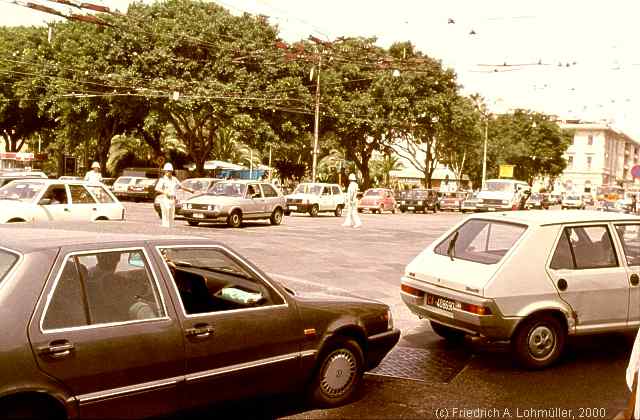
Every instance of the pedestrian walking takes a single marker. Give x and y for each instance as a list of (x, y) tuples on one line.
[(94, 176), (351, 204), (167, 186), (633, 408)]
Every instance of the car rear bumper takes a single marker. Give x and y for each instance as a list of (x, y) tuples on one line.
[(494, 326), (207, 216), (379, 345)]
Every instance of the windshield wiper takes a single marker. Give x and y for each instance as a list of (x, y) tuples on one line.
[(451, 250)]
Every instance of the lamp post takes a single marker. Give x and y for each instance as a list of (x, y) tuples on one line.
[(484, 154), (316, 124)]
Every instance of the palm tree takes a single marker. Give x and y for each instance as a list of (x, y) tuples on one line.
[(228, 148), (330, 164), (381, 167)]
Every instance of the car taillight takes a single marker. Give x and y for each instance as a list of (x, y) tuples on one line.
[(475, 309), (412, 290)]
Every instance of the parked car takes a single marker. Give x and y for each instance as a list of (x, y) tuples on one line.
[(618, 206), (97, 325), (470, 203), (532, 278), (556, 198), (121, 185), (573, 201), (142, 189), (538, 201), (503, 194), (452, 201), (197, 185), (47, 200), (6, 178), (315, 198), (377, 200), (108, 182), (235, 201), (22, 173), (71, 178), (588, 199), (420, 200)]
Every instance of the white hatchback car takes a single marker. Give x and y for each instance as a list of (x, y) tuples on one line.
[(46, 200), (314, 198), (531, 278)]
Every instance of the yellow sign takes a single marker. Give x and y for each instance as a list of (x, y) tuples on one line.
[(506, 171)]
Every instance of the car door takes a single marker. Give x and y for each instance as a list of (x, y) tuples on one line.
[(83, 205), (590, 277), (271, 199), (56, 204), (629, 239), (326, 199), (253, 204), (242, 336), (107, 205), (102, 328)]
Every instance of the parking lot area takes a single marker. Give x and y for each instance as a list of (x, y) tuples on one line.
[(423, 377)]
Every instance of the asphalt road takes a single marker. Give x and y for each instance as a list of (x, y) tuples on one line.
[(424, 377)]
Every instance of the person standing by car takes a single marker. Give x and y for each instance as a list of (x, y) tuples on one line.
[(94, 176), (167, 187), (351, 204), (633, 408)]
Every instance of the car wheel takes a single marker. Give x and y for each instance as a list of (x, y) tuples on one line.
[(193, 222), (393, 210), (276, 217), (435, 209), (314, 210), (338, 374), (381, 209), (539, 342), (448, 333), (235, 219), (402, 210), (338, 211), (23, 407)]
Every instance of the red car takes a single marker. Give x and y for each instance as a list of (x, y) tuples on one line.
[(452, 201), (377, 200)]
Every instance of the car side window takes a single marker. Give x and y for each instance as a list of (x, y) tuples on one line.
[(100, 194), (57, 194), (326, 191), (630, 238), (107, 287), (253, 191), (563, 257), (80, 195), (590, 247), (209, 280), (336, 190), (269, 191)]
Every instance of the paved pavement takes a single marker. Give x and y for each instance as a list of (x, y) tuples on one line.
[(424, 377)]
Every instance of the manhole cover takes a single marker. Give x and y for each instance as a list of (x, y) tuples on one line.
[(422, 364)]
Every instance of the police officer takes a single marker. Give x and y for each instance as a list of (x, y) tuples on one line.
[(94, 176), (167, 186), (351, 204)]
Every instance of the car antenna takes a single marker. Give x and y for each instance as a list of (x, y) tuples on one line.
[(452, 246)]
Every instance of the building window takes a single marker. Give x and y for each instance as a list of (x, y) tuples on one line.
[(590, 140), (570, 162), (589, 158)]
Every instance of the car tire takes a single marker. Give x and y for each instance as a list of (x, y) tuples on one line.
[(193, 222), (31, 408), (539, 341), (448, 333), (234, 220), (331, 385), (276, 217), (338, 211), (314, 211)]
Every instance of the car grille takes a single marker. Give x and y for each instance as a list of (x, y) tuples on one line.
[(294, 201), (491, 201), (200, 206)]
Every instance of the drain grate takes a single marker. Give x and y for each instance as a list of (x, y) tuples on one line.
[(422, 364)]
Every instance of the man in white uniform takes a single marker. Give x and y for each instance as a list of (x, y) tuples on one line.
[(632, 376), (168, 186), (351, 204), (94, 176)]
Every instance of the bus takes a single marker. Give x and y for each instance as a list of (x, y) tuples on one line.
[(610, 193)]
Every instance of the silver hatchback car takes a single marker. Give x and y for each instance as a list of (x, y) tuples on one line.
[(235, 201)]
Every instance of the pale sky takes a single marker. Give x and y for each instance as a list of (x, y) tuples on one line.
[(599, 37)]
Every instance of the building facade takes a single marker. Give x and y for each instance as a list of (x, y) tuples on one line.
[(598, 155)]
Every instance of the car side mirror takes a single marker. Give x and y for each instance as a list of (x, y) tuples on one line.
[(44, 202)]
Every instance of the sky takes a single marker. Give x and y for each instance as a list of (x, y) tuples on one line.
[(590, 64)]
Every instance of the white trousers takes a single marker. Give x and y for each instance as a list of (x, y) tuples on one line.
[(352, 219), (168, 210)]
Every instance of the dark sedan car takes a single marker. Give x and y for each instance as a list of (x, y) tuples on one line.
[(111, 325), (419, 200)]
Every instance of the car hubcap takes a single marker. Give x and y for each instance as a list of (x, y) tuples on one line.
[(235, 219), (278, 217), (339, 372), (541, 342)]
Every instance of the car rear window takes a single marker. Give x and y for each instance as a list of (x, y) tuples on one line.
[(123, 180), (7, 261), (482, 241)]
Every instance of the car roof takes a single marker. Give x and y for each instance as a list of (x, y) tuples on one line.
[(48, 181), (29, 239), (556, 217)]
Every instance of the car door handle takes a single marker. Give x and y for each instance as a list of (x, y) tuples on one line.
[(57, 349), (634, 279), (199, 331)]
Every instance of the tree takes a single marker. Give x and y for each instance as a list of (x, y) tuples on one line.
[(381, 167)]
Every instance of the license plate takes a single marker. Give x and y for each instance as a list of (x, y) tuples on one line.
[(411, 208), (293, 207), (198, 216), (491, 209), (444, 304)]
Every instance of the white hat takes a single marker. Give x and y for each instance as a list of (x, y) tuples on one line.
[(95, 165), (352, 177), (168, 167)]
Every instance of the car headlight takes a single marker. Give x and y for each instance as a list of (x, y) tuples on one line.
[(505, 201), (187, 206), (420, 202)]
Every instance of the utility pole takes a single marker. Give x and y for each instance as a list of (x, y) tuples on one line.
[(317, 123), (484, 158)]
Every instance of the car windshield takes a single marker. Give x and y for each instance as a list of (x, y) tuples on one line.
[(420, 193), (21, 191), (308, 189), (196, 184), (573, 197), (373, 192), (482, 241), (7, 261), (498, 186), (123, 180), (535, 197), (230, 189)]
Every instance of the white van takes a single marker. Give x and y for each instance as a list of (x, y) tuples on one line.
[(501, 194)]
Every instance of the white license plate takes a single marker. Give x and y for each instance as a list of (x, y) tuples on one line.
[(198, 216), (445, 304), (411, 208), (293, 207), (491, 209)]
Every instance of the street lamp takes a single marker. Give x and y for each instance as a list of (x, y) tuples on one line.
[(484, 155)]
